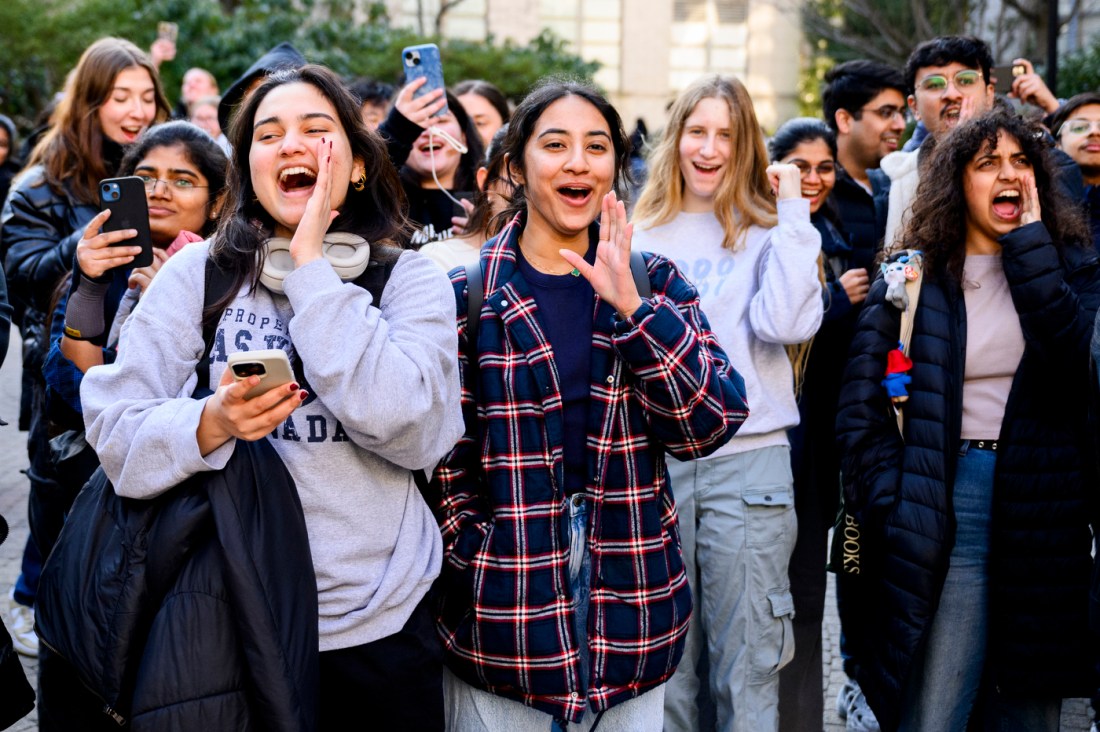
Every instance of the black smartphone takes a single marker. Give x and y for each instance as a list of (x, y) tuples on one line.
[(1004, 75), (129, 210), (457, 209), (424, 60)]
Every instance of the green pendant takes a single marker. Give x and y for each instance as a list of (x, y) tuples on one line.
[(576, 272)]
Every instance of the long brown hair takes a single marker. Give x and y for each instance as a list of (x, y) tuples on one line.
[(72, 150), (744, 196), (938, 224)]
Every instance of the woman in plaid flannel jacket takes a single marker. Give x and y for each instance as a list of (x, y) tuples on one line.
[(528, 634)]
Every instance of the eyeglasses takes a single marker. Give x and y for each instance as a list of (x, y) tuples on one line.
[(823, 169), (937, 83), (178, 185), (1081, 126), (887, 112)]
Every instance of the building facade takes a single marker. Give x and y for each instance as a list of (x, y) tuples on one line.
[(649, 49)]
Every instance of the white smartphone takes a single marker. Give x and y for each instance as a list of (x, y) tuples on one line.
[(271, 365)]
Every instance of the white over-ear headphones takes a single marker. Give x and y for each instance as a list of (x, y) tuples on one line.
[(348, 254)]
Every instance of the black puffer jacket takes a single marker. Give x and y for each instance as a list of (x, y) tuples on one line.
[(39, 230), (196, 610), (1044, 485)]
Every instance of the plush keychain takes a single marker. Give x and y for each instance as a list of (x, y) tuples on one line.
[(902, 273)]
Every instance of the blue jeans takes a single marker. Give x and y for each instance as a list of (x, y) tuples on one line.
[(946, 680)]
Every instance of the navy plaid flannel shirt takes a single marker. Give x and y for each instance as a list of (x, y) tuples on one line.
[(660, 382)]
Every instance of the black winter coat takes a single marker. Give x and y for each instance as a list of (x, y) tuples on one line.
[(196, 610), (1044, 484)]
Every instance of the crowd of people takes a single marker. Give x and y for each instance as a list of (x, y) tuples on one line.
[(556, 456)]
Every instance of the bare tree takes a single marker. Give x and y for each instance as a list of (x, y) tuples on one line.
[(444, 7)]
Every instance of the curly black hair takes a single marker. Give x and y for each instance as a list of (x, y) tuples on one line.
[(938, 222)]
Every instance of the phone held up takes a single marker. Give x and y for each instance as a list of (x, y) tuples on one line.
[(424, 61), (125, 197), (271, 365), (1004, 75)]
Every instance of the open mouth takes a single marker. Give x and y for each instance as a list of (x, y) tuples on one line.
[(951, 112), (706, 169), (431, 148), (576, 194), (296, 179), (1007, 205)]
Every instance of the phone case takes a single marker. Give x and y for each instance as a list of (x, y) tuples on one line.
[(125, 197), (276, 365), (424, 61)]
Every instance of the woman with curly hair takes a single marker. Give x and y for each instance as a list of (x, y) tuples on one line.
[(976, 536)]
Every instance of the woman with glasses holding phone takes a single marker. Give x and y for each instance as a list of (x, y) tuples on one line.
[(710, 205)]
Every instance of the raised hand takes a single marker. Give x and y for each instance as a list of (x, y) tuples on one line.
[(1030, 212), (419, 109), (785, 180), (94, 253), (1029, 87), (610, 276), (307, 244)]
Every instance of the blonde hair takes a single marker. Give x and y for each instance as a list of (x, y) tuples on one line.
[(744, 197)]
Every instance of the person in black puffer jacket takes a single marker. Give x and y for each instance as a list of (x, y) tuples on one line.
[(111, 95), (977, 525)]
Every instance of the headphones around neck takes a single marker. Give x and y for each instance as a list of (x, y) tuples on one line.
[(348, 254)]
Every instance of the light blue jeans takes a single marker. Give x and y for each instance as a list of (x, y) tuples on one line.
[(737, 530), (469, 709), (947, 676)]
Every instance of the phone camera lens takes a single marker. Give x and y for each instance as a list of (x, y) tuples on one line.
[(409, 56), (107, 188)]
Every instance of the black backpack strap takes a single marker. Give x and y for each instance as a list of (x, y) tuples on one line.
[(475, 296), (216, 284), (641, 274)]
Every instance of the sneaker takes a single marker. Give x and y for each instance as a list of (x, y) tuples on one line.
[(20, 621), (858, 716), (844, 698)]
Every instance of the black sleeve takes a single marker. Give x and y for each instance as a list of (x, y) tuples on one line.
[(400, 133)]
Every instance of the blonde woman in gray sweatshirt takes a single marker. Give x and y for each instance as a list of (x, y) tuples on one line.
[(379, 398), (710, 206)]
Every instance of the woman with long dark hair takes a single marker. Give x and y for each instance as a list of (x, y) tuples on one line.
[(563, 594), (375, 396), (976, 518)]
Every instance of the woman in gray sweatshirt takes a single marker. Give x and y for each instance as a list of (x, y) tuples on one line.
[(376, 393)]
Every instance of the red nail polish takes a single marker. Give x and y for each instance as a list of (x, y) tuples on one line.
[(302, 395), (294, 387)]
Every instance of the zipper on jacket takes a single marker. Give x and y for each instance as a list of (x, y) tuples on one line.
[(107, 709)]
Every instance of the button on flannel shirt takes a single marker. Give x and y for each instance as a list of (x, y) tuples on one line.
[(660, 382)]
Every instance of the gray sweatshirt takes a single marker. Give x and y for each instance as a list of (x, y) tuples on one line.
[(758, 298), (384, 401)]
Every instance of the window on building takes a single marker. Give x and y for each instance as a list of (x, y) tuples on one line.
[(699, 11)]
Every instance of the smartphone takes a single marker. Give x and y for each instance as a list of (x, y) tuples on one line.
[(125, 197), (457, 209), (1004, 75), (168, 31), (424, 60), (271, 365)]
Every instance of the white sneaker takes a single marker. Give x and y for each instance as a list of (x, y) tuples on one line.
[(851, 706), (20, 621)]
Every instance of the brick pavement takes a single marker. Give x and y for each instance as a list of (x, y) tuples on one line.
[(13, 493)]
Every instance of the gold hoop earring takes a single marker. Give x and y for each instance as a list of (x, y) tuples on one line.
[(360, 184)]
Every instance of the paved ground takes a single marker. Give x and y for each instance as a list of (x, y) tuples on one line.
[(13, 489)]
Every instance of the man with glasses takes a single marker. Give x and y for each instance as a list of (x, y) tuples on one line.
[(864, 103), (1076, 128), (948, 80)]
